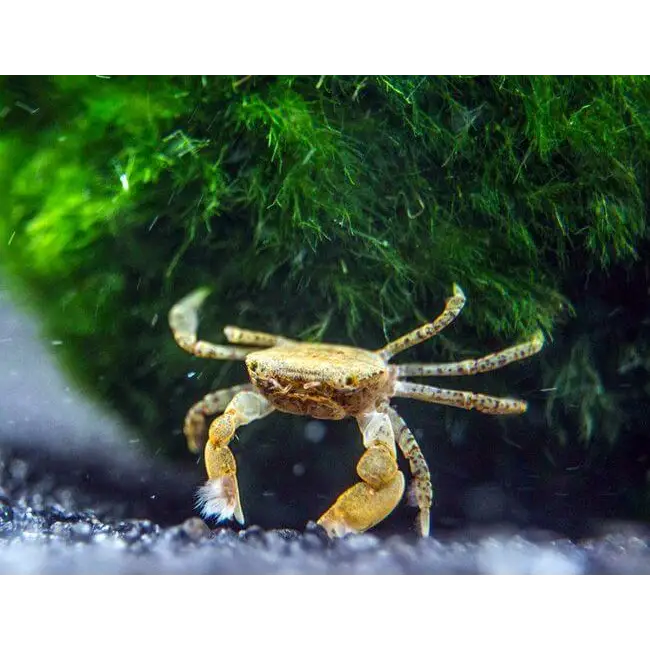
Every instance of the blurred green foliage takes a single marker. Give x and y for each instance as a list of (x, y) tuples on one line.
[(323, 207)]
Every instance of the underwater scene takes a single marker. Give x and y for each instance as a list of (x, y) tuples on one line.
[(325, 324)]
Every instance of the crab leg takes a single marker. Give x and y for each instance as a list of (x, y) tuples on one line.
[(249, 337), (381, 487), (423, 491), (453, 307), (219, 497), (195, 428), (473, 366), (460, 398), (184, 322)]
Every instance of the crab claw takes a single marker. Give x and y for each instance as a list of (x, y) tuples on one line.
[(219, 497)]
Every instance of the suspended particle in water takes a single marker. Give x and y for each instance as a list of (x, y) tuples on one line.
[(315, 431), (298, 469)]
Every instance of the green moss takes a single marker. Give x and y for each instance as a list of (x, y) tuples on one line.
[(334, 207)]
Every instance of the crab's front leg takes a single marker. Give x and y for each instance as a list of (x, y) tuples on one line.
[(381, 487), (219, 497)]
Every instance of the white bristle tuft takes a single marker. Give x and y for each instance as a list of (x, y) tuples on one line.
[(216, 500)]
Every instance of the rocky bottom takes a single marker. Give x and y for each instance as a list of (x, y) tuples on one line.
[(46, 528)]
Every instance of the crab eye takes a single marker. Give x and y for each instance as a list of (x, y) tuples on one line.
[(253, 365), (350, 380)]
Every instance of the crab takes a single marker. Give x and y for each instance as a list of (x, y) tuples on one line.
[(331, 382)]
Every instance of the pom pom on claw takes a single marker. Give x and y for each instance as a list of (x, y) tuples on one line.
[(218, 499)]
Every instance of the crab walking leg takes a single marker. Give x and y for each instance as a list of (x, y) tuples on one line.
[(184, 322), (381, 487), (248, 337), (473, 366), (195, 428), (460, 398), (219, 497), (421, 477), (453, 307)]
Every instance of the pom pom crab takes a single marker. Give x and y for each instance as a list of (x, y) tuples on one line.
[(331, 382)]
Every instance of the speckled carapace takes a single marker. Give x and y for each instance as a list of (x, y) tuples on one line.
[(330, 382)]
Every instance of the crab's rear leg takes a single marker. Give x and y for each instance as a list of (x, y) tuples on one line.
[(422, 490), (184, 323), (381, 487), (195, 427), (460, 398), (473, 366), (453, 307), (219, 497)]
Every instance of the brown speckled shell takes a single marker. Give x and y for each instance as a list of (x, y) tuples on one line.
[(327, 382)]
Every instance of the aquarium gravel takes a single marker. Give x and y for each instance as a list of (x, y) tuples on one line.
[(47, 526)]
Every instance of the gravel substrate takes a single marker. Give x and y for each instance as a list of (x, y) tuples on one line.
[(49, 527)]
